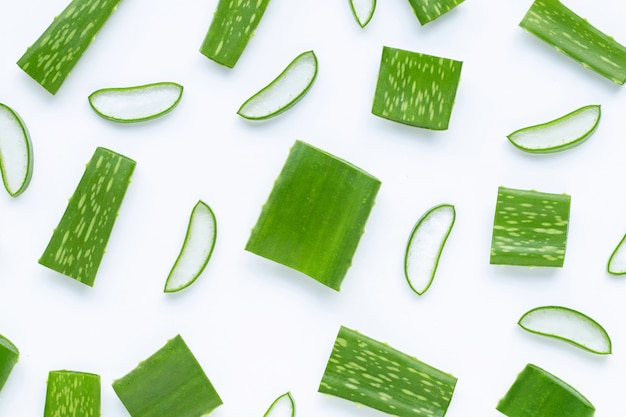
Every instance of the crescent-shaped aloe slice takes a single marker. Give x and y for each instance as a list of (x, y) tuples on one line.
[(72, 394), (568, 325), (617, 261), (196, 250), (425, 246), (284, 91), (559, 134), (363, 10), (16, 152), (137, 103), (9, 355), (283, 406)]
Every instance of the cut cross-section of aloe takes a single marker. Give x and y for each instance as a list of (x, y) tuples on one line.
[(530, 228), (78, 243), (560, 27), (429, 10), (283, 406), (363, 11), (368, 372), (137, 103), (196, 250), (315, 215), (72, 394), (51, 58), (617, 261), (568, 325), (538, 393), (16, 152), (233, 24), (9, 355), (559, 134), (416, 89), (284, 91), (425, 246)]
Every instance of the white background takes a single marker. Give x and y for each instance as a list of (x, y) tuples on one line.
[(260, 329)]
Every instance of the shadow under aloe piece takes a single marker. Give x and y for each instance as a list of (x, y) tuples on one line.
[(315, 215)]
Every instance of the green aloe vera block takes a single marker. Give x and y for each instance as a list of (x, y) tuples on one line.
[(170, 383), (368, 372), (315, 215), (428, 10), (72, 394), (530, 228), (51, 58), (9, 355), (78, 243), (416, 89)]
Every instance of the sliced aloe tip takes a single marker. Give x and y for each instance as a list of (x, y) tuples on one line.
[(617, 261), (363, 11), (283, 406), (16, 152)]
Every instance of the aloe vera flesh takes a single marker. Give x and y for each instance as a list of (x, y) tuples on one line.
[(170, 383), (555, 24), (315, 215), (233, 24), (72, 394), (368, 372), (9, 355), (78, 243), (429, 10), (530, 228), (538, 393), (416, 89), (53, 56)]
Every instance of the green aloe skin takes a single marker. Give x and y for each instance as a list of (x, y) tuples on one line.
[(429, 10), (72, 394), (9, 355)]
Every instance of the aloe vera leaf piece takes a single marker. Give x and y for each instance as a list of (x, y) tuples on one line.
[(283, 406), (284, 91), (617, 261), (560, 27), (79, 241), (569, 325), (9, 355), (72, 394), (530, 228), (196, 250), (233, 24), (368, 372), (170, 383), (16, 152), (429, 10), (137, 103), (559, 134), (416, 89), (315, 215), (363, 11), (53, 56), (538, 393), (425, 246)]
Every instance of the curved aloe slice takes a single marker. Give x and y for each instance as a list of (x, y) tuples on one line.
[(363, 11), (559, 134), (283, 406), (196, 250), (16, 152), (137, 103), (9, 355), (284, 91), (568, 325), (425, 246), (617, 261)]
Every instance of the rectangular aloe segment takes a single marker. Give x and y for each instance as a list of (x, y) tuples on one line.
[(530, 228), (368, 372), (560, 27), (416, 89), (428, 10), (79, 241), (51, 58), (315, 215), (232, 27), (72, 394), (9, 355)]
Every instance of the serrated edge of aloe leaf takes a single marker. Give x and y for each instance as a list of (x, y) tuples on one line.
[(29, 155), (617, 249), (363, 22), (567, 145), (445, 236), (133, 88), (576, 313), (292, 403), (290, 103)]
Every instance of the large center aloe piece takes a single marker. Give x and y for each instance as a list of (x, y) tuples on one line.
[(315, 215)]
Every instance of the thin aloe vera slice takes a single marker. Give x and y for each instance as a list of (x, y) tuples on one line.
[(559, 134), (233, 24), (196, 250), (425, 245), (72, 394), (315, 215), (530, 228), (538, 393), (429, 10), (363, 11), (283, 406), (53, 56), (568, 325), (416, 89), (284, 91), (9, 355), (368, 372), (170, 383), (16, 152), (137, 103), (617, 261), (560, 27), (78, 243)]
